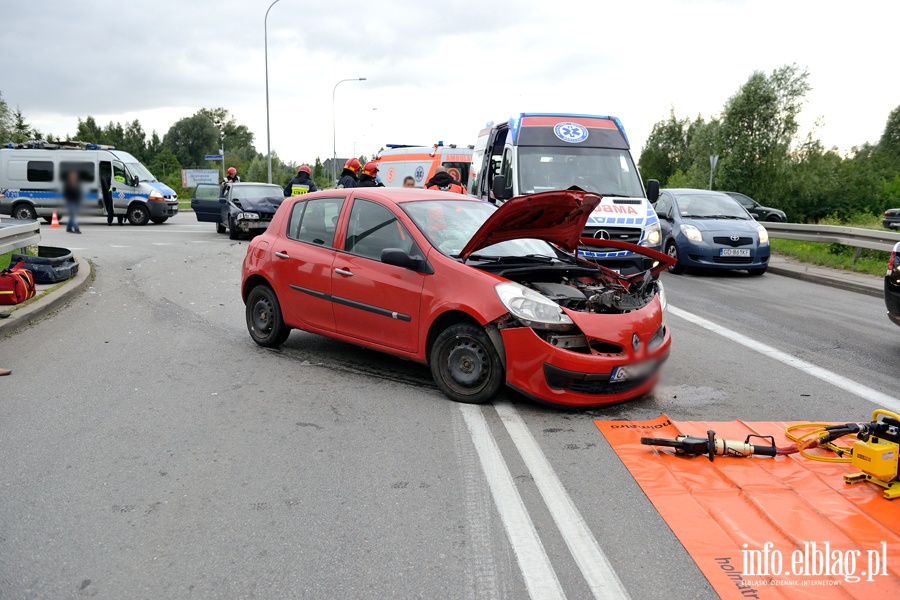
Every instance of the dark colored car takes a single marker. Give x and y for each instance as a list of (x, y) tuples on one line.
[(759, 212), (239, 208), (709, 230), (892, 286), (891, 218), (485, 296)]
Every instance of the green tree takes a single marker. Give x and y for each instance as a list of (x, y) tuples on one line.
[(666, 149), (164, 164), (237, 138), (21, 130), (5, 121), (134, 140), (89, 131), (190, 138)]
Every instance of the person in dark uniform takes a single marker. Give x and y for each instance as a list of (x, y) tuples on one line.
[(444, 181), (368, 176), (106, 190), (301, 184), (348, 175)]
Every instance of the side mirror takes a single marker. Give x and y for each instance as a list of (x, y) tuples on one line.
[(652, 190), (663, 216), (498, 187), (135, 181), (400, 258)]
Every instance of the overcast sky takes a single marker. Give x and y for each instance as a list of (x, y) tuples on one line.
[(438, 70)]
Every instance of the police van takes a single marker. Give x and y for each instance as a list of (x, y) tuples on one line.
[(397, 162), (537, 152), (32, 175)]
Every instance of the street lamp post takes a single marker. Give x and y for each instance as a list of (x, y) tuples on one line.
[(268, 132), (333, 130)]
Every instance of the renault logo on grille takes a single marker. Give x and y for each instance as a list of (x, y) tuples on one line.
[(635, 342), (735, 238), (601, 234)]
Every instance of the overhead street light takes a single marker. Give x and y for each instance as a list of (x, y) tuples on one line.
[(333, 130), (268, 132)]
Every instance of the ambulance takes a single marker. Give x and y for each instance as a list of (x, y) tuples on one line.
[(537, 152), (397, 162), (32, 175)]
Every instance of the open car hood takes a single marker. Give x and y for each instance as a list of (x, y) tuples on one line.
[(557, 217)]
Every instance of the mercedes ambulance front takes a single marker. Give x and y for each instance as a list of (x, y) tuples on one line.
[(534, 152)]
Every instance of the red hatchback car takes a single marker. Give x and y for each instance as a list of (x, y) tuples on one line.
[(483, 295)]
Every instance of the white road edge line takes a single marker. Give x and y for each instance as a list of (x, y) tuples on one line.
[(834, 379), (594, 565), (540, 578)]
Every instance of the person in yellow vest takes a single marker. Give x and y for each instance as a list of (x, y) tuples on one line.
[(301, 184)]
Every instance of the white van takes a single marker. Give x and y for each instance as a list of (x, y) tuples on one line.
[(31, 182), (537, 152)]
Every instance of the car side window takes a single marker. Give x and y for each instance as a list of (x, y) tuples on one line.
[(373, 228), (315, 221), (663, 206), (119, 173)]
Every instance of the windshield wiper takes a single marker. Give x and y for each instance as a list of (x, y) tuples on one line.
[(528, 257), (717, 217)]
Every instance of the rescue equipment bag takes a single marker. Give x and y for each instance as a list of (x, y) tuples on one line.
[(16, 284)]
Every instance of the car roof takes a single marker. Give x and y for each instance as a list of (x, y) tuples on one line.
[(693, 192), (402, 195), (241, 183)]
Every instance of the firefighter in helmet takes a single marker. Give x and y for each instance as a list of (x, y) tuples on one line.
[(349, 174), (368, 176), (301, 184)]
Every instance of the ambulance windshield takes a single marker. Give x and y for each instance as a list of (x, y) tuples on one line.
[(606, 171)]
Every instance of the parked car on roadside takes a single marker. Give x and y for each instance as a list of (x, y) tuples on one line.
[(891, 218), (238, 208), (892, 286), (709, 230), (759, 212), (485, 296)]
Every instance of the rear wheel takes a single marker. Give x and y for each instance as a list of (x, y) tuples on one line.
[(465, 365), (773, 219), (24, 211), (757, 272), (159, 220), (672, 251), (264, 319), (233, 233), (138, 214)]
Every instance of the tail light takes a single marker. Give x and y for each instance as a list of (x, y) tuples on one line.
[(892, 262), (887, 213)]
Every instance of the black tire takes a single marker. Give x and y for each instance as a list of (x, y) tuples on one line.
[(264, 320), (159, 220), (48, 220), (672, 250), (773, 219), (24, 211), (233, 233), (465, 365), (220, 228), (757, 272), (138, 214)]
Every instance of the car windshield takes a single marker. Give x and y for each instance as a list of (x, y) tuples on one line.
[(605, 171), (257, 191), (136, 168), (710, 206), (450, 224)]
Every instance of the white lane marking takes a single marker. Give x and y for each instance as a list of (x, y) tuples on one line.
[(538, 573), (162, 244), (115, 246), (834, 379), (594, 565)]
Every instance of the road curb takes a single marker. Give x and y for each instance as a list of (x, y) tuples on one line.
[(841, 284), (53, 301)]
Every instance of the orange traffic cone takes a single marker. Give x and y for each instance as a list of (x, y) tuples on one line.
[(54, 224)]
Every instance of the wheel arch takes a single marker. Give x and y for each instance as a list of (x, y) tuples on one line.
[(454, 316), (19, 202), (252, 282)]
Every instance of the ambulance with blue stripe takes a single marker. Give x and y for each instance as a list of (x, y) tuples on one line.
[(537, 152), (32, 174)]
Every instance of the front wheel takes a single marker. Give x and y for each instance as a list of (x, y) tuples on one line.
[(757, 272), (264, 319), (672, 250), (465, 365), (138, 214), (24, 211), (159, 220)]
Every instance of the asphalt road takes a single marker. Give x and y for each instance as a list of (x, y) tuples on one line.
[(148, 449)]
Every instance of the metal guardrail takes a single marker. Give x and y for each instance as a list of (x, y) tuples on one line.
[(854, 237), (18, 233)]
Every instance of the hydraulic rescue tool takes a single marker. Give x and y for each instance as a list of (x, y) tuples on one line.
[(876, 451)]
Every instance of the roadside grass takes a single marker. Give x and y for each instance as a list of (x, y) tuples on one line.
[(4, 260), (184, 204), (864, 220), (835, 256)]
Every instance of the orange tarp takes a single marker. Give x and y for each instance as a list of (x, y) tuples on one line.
[(763, 527)]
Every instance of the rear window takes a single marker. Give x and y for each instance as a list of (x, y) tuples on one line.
[(40, 171)]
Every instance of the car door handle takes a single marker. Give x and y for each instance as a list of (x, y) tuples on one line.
[(282, 255), (343, 272)]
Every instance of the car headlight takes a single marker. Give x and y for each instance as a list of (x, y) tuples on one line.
[(653, 237), (156, 195), (692, 233), (533, 309), (661, 292), (763, 235), (245, 216)]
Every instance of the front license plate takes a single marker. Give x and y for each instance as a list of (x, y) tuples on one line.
[(734, 252), (635, 371)]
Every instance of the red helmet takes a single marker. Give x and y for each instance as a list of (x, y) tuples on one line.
[(370, 169), (304, 169), (232, 171), (353, 165)]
